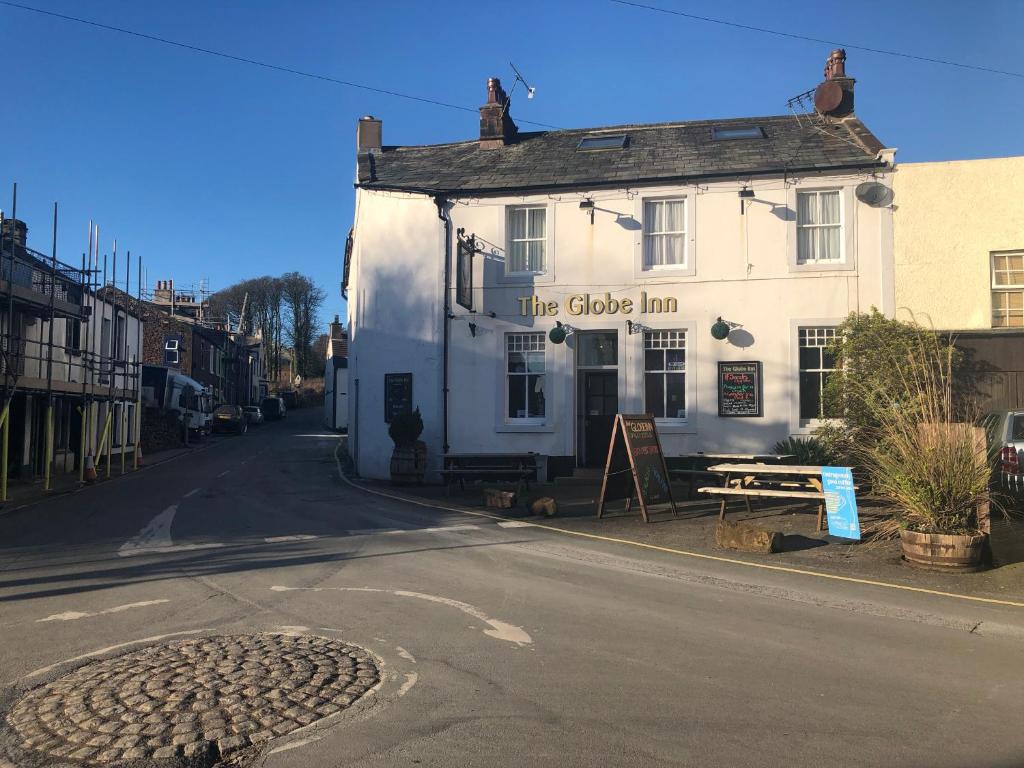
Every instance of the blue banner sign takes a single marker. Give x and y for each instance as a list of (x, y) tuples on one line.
[(840, 502)]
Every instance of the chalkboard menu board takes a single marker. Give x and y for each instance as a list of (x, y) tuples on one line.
[(635, 466), (739, 389), (397, 395)]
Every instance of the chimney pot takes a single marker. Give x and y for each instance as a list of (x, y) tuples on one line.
[(368, 134), (834, 96)]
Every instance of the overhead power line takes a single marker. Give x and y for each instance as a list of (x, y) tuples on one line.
[(254, 62), (779, 33)]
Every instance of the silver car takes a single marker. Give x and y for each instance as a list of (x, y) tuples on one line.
[(1005, 433), (253, 414)]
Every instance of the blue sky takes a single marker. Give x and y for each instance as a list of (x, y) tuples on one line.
[(217, 170)]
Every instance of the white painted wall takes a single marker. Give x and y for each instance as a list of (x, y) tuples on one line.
[(742, 267)]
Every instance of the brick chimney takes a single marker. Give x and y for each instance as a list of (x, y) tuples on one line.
[(163, 291), (496, 126), (16, 229), (834, 97), (368, 134)]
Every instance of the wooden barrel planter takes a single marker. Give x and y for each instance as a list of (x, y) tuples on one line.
[(943, 552), (409, 463)]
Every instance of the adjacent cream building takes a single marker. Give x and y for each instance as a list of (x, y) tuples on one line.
[(522, 288), (959, 243)]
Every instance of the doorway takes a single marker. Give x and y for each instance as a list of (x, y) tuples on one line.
[(597, 395)]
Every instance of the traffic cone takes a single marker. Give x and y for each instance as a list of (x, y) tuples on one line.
[(138, 455), (90, 470)]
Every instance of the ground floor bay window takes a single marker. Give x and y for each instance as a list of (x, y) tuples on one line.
[(524, 366), (816, 365), (665, 374)]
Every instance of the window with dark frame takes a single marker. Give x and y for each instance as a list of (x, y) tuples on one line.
[(525, 368), (589, 143), (665, 374), (816, 365)]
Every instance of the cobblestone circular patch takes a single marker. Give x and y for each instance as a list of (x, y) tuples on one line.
[(192, 697)]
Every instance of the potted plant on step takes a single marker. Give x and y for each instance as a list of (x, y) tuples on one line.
[(409, 458), (918, 441)]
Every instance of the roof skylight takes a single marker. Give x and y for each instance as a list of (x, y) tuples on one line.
[(588, 143), (723, 132)]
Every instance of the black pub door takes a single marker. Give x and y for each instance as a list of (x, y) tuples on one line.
[(599, 403)]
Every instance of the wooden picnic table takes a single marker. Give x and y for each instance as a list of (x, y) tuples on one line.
[(768, 481), (517, 467), (692, 472)]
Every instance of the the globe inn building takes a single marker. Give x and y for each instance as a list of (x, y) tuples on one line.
[(643, 244)]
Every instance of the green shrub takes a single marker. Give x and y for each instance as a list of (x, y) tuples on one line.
[(806, 451), (406, 428)]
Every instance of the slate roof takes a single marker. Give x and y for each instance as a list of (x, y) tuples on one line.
[(655, 153)]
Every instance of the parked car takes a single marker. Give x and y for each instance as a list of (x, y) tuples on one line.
[(273, 408), (253, 414), (1005, 434), (230, 418), (289, 397)]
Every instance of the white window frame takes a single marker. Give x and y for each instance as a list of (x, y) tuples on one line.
[(640, 271), (668, 420), (847, 237), (507, 376), (176, 349), (817, 193), (644, 234), (512, 210), (1007, 288)]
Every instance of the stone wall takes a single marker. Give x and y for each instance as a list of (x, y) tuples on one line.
[(160, 431)]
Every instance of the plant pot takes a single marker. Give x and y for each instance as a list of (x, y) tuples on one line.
[(409, 463), (943, 552)]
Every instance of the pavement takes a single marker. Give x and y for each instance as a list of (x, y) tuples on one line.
[(195, 607)]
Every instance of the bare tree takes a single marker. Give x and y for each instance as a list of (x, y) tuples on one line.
[(304, 299)]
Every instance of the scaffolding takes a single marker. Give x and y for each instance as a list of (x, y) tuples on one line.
[(72, 381)]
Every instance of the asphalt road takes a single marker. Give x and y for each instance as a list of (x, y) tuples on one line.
[(502, 645)]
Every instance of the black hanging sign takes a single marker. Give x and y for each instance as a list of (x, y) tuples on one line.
[(397, 395), (464, 270), (739, 389), (635, 466)]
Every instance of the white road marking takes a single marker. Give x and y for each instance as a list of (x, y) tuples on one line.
[(73, 615), (294, 744), (392, 531), (155, 538), (168, 550), (193, 492), (515, 524), (499, 630), (333, 437), (405, 654), (109, 648), (223, 473), (410, 681), (295, 537)]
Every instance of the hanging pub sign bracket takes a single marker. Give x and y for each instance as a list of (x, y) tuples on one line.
[(635, 466), (465, 250)]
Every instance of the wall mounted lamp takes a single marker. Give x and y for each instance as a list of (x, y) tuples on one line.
[(633, 327), (722, 328), (560, 332), (745, 194), (587, 206)]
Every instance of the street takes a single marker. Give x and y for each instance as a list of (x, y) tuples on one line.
[(486, 642)]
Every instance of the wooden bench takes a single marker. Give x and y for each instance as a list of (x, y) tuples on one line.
[(690, 476), (517, 468), (747, 492)]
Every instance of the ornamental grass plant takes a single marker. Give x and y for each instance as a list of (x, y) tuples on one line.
[(919, 445)]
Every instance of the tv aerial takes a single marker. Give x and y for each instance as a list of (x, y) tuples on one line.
[(874, 194), (530, 90)]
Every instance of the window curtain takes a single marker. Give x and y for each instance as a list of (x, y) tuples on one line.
[(662, 217)]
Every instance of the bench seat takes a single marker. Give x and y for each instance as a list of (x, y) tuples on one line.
[(746, 493)]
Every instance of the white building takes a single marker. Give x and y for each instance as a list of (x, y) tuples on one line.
[(639, 238)]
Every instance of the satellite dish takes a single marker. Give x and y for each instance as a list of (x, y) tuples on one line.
[(827, 97), (874, 194)]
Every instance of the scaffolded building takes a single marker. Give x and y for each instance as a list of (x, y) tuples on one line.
[(69, 356)]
